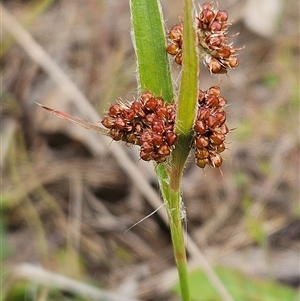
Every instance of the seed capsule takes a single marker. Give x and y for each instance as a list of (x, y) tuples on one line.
[(157, 139), (215, 26), (145, 97), (201, 141), (108, 122), (151, 104), (116, 134), (215, 160), (221, 148), (173, 49), (200, 127), (115, 110), (162, 112), (221, 16), (164, 149), (175, 33), (178, 58), (202, 153), (138, 109), (120, 124), (202, 162), (212, 100), (207, 16), (128, 114), (217, 138), (171, 138)]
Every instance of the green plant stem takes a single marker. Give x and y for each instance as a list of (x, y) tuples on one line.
[(186, 111), (154, 75), (174, 214)]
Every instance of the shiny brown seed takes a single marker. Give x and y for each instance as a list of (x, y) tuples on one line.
[(178, 58), (233, 62), (173, 49), (175, 33), (158, 127), (160, 101), (147, 146), (116, 134), (151, 104), (203, 113), (206, 16), (108, 122), (171, 138), (146, 96), (215, 26), (217, 138), (120, 124), (150, 118), (215, 90), (171, 112), (213, 41), (202, 162), (212, 100), (146, 136), (224, 52), (221, 148), (128, 114), (164, 149), (222, 101), (138, 109), (215, 160), (221, 117), (221, 16), (206, 5), (162, 112), (201, 153), (200, 127), (223, 129), (115, 110), (201, 141), (201, 96), (214, 66), (157, 139), (212, 121)]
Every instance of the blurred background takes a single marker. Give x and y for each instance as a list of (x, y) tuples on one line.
[(68, 195)]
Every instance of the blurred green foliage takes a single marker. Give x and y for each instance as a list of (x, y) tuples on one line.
[(240, 287)]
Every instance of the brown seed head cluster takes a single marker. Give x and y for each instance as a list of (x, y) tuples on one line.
[(147, 122), (212, 28), (210, 128), (175, 43)]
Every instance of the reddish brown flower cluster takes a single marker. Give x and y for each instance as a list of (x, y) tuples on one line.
[(210, 128), (212, 29), (175, 43), (147, 122)]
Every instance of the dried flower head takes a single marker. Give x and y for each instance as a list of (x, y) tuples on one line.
[(212, 29), (210, 128), (147, 122)]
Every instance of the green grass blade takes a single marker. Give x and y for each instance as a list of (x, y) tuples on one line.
[(150, 47)]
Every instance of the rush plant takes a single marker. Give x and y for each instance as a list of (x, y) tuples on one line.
[(169, 124)]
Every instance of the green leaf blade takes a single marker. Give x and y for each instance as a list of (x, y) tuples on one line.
[(150, 46)]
